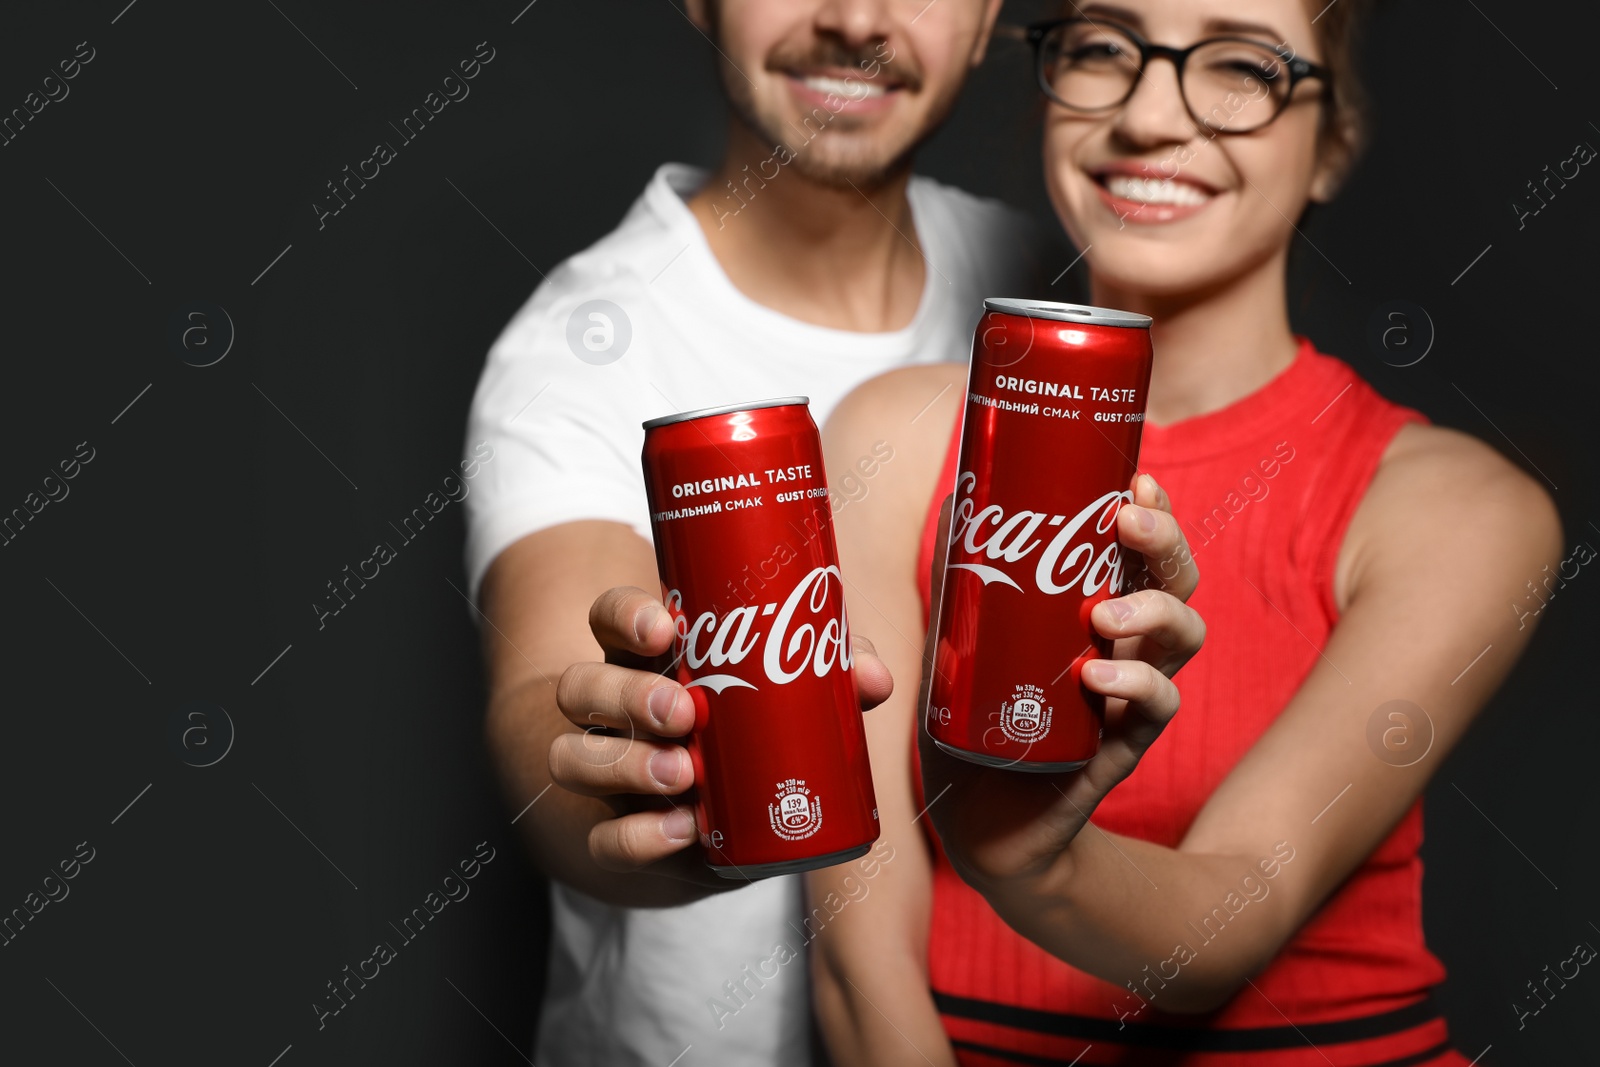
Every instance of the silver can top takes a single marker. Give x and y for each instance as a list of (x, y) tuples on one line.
[(725, 409), (1046, 309)]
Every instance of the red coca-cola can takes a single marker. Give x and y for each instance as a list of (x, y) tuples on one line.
[(1050, 433), (749, 571)]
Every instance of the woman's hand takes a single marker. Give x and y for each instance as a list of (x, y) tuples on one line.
[(627, 749), (1001, 825)]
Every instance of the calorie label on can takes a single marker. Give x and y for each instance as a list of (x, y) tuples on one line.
[(1050, 434), (743, 530)]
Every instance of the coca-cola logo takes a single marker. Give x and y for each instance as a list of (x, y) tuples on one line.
[(1079, 554), (808, 632)]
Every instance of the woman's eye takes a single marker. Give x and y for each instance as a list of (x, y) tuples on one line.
[(1254, 70), (1091, 52)]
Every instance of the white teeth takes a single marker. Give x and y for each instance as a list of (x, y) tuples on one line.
[(1154, 190), (849, 88)]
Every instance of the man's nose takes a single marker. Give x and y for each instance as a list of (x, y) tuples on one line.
[(856, 22)]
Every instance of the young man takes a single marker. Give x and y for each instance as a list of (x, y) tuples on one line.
[(808, 261)]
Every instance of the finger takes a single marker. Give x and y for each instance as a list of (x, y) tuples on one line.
[(604, 695), (1129, 731), (633, 841), (630, 624), (596, 765), (874, 683), (1148, 527), (1152, 701), (1176, 631)]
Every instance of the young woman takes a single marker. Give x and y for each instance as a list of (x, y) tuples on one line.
[(1251, 892)]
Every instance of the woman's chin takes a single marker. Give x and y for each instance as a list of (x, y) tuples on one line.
[(1159, 275)]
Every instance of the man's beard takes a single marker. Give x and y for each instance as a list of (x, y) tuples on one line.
[(825, 166)]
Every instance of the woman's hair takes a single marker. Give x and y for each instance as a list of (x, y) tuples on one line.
[(1346, 123)]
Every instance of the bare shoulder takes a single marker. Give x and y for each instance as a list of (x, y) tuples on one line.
[(901, 395), (1442, 500), (905, 415), (1435, 467)]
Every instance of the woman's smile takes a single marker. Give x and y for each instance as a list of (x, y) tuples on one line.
[(1148, 194)]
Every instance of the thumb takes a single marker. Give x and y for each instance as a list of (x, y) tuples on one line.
[(874, 683)]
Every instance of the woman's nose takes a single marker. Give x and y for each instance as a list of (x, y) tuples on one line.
[(1155, 114)]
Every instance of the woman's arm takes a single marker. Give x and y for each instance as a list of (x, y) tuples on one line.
[(871, 973), (869, 959), (1445, 537)]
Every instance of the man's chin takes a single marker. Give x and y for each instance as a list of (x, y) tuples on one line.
[(849, 155), (844, 169), (849, 175)]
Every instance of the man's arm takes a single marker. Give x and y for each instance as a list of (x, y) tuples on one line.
[(596, 747), (536, 599)]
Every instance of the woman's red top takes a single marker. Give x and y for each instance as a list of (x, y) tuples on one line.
[(1264, 489)]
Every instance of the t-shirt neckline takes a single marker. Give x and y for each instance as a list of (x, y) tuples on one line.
[(1244, 420), (674, 182)]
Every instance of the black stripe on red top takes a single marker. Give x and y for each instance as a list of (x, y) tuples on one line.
[(1193, 1039), (1416, 1059)]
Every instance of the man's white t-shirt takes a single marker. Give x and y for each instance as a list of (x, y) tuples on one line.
[(646, 323)]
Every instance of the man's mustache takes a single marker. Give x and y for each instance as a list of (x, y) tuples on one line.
[(872, 62)]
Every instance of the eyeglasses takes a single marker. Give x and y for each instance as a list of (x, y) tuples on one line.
[(1229, 84)]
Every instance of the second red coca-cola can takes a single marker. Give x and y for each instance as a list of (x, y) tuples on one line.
[(743, 529), (1049, 445)]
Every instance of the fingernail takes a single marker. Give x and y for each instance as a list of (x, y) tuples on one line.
[(662, 701), (666, 767), (1101, 672), (645, 621), (1120, 610), (677, 825), (1147, 519)]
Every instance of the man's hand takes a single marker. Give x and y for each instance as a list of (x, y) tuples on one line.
[(1000, 825), (631, 720)]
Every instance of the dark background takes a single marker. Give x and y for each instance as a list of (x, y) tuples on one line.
[(189, 551)]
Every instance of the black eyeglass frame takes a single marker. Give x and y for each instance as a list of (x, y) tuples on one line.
[(1299, 69)]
